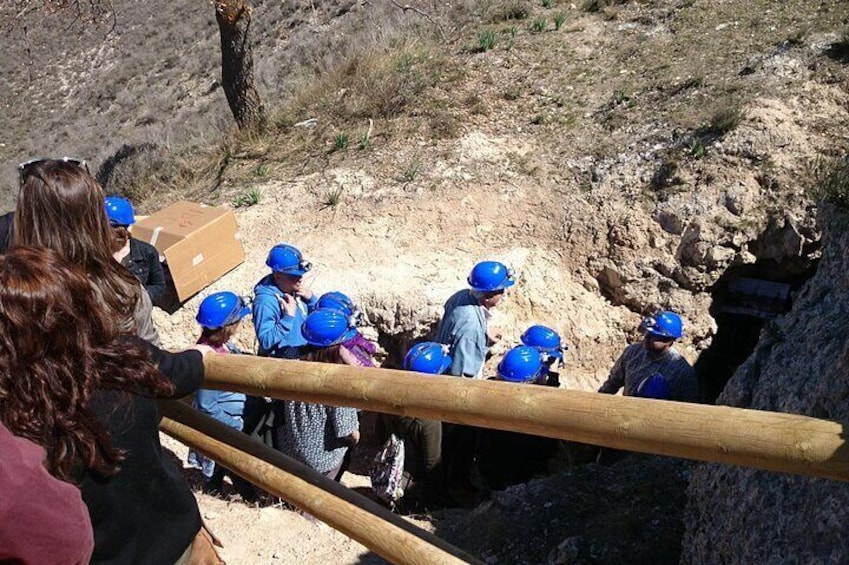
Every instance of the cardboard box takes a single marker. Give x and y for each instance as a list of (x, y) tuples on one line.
[(199, 243)]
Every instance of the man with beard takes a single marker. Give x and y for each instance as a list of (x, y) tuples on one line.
[(653, 358)]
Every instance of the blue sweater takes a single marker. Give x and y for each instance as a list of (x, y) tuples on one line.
[(278, 333)]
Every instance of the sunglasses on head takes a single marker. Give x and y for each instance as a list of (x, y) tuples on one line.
[(25, 168)]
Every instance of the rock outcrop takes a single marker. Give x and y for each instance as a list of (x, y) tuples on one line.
[(801, 365)]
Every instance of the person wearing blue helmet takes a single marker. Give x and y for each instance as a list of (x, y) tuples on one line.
[(522, 364), (317, 435), (282, 303), (509, 458), (359, 346), (219, 316), (422, 437), (340, 301), (655, 355), (464, 328), (428, 357), (465, 323), (548, 343), (140, 257)]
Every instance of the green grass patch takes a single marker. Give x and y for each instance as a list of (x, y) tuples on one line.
[(250, 198), (341, 141), (559, 19), (538, 25), (333, 197), (412, 170), (486, 40)]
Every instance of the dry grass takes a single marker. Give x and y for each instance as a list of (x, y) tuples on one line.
[(604, 6), (138, 171), (506, 10), (369, 84), (829, 180), (725, 119)]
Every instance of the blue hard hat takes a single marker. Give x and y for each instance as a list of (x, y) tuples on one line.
[(325, 327), (521, 364), (544, 339), (119, 210), (428, 357), (285, 258), (654, 387), (337, 301), (490, 276), (663, 324), (340, 301), (221, 309)]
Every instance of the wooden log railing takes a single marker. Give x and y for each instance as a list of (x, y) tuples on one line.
[(766, 440), (361, 519)]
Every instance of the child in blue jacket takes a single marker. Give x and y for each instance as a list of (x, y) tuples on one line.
[(219, 316)]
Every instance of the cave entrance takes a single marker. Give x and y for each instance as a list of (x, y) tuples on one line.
[(744, 299)]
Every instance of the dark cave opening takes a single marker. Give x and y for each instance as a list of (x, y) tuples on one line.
[(744, 299)]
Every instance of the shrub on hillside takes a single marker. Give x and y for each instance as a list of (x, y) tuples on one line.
[(828, 180), (137, 171), (371, 84), (725, 119), (507, 10), (601, 5)]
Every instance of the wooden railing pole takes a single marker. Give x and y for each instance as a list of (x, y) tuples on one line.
[(359, 518), (767, 440)]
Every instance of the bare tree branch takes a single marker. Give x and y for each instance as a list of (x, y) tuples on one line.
[(407, 7)]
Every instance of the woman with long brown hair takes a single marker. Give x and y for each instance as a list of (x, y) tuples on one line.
[(60, 206), (73, 383)]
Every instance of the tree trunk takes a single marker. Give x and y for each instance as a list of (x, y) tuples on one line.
[(237, 65)]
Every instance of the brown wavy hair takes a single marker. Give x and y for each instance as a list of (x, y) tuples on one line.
[(57, 346), (219, 336), (60, 207), (330, 354)]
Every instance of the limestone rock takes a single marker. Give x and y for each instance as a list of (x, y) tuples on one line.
[(801, 365)]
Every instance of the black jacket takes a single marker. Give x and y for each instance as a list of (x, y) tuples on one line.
[(146, 513), (143, 262)]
